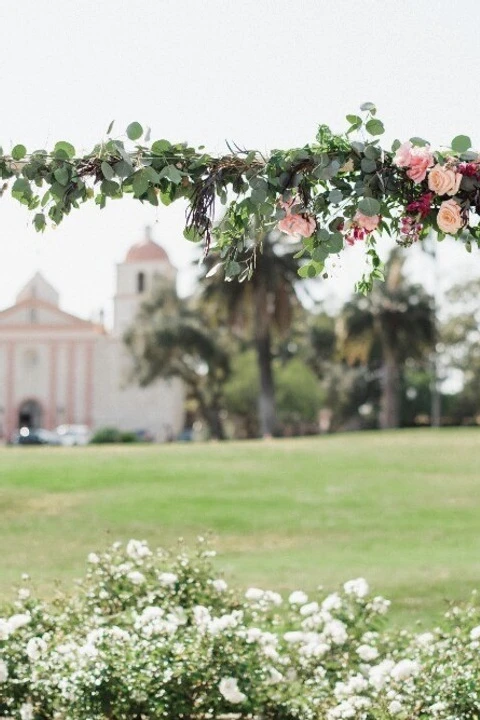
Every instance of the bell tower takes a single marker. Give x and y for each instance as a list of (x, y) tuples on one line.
[(145, 263)]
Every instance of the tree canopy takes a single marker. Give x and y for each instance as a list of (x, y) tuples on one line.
[(331, 193)]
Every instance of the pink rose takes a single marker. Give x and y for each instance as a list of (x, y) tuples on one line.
[(421, 159), (403, 155), (367, 222), (449, 218), (297, 225), (444, 181)]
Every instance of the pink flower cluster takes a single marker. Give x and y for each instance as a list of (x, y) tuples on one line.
[(416, 159), (410, 229), (294, 223), (361, 226)]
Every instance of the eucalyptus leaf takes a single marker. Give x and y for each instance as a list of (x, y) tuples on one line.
[(134, 131), (369, 206)]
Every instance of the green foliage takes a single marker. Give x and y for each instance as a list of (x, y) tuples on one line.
[(319, 187), (112, 435)]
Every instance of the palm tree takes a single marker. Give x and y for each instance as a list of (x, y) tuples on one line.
[(393, 324), (171, 338), (258, 306)]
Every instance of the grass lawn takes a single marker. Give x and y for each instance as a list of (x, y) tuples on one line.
[(401, 509)]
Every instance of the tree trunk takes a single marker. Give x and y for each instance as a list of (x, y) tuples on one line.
[(211, 414), (390, 398), (266, 399)]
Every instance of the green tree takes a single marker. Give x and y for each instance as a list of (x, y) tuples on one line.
[(172, 338), (298, 393), (258, 307), (385, 329)]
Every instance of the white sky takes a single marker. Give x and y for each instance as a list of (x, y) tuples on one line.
[(262, 73)]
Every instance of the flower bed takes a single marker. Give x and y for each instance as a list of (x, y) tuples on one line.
[(150, 635)]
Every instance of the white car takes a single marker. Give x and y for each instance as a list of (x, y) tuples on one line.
[(74, 435)]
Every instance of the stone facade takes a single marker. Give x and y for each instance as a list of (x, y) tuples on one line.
[(56, 368)]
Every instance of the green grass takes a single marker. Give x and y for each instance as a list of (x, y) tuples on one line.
[(401, 509)]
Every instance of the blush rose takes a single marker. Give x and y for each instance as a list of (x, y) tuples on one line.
[(444, 181), (449, 218)]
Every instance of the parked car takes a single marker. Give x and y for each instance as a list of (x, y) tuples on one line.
[(70, 435), (37, 436)]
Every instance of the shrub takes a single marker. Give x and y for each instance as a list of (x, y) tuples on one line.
[(150, 635), (113, 435)]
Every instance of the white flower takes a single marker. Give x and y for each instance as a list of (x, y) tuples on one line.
[(202, 617), (367, 653), (395, 707), (298, 598), (254, 594), (438, 707), (336, 631), (3, 671), (137, 549), (332, 602), (379, 674), (475, 633), (26, 711), (229, 689), (167, 579), (293, 636), (36, 647), (358, 587), (425, 639), (219, 585), (93, 558), (309, 609), (272, 597), (405, 669), (23, 594), (4, 629), (135, 577), (379, 605), (274, 676), (18, 621)]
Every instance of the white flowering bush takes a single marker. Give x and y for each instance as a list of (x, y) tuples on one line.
[(150, 635)]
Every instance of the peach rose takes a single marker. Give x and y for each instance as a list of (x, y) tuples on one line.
[(403, 155), (444, 181), (421, 159), (449, 218), (367, 222), (293, 224)]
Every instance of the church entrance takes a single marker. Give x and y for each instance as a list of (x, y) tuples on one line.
[(30, 414)]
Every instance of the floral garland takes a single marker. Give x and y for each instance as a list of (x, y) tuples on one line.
[(330, 194)]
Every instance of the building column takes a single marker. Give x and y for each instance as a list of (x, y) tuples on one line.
[(10, 420), (52, 390), (70, 391), (89, 350)]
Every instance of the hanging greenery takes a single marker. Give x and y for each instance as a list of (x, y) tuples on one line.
[(332, 193)]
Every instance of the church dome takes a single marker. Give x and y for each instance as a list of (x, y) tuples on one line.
[(146, 250)]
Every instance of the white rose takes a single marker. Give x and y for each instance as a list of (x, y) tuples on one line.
[(229, 689), (298, 598), (358, 587), (36, 647), (26, 711), (254, 594), (135, 577), (3, 671), (367, 653), (167, 578), (475, 633), (219, 585), (405, 669), (137, 549)]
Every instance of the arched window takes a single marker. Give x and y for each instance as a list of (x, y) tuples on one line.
[(140, 282)]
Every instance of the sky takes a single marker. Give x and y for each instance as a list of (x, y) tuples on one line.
[(261, 73)]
